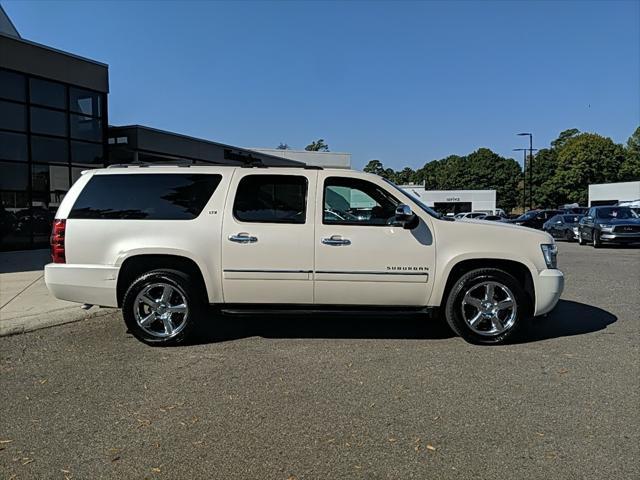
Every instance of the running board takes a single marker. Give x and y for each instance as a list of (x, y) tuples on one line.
[(315, 310)]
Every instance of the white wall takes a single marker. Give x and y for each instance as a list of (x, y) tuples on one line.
[(481, 200), (618, 192), (320, 159)]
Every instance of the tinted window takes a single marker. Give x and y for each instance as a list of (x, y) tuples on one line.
[(351, 201), (13, 116), (48, 121), (555, 219), (86, 128), (45, 178), (49, 150), (12, 85), (615, 213), (14, 176), (271, 198), (163, 196), (84, 101), (87, 153), (47, 93), (571, 218), (13, 146)]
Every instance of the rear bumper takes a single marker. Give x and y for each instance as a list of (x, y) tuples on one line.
[(549, 285), (94, 284)]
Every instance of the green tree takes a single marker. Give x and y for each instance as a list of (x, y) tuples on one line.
[(630, 168), (375, 167), (563, 137), (582, 160), (317, 146)]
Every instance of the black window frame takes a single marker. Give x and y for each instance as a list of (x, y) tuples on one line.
[(283, 221), (354, 223)]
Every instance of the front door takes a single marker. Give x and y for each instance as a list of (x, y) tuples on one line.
[(360, 257), (268, 236)]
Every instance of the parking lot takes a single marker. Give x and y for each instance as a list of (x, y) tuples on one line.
[(317, 397)]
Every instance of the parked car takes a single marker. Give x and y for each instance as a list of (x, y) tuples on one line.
[(176, 239), (563, 226), (575, 210), (468, 215), (609, 225), (535, 218), (493, 218)]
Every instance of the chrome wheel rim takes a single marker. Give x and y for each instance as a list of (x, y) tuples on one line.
[(489, 308), (161, 310)]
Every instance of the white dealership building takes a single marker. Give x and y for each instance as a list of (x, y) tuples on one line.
[(455, 201), (612, 193)]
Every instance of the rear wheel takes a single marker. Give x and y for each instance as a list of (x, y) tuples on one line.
[(162, 307), (486, 306)]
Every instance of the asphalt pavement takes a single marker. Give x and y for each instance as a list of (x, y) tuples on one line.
[(317, 397)]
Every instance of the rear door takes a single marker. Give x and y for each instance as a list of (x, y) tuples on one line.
[(268, 237)]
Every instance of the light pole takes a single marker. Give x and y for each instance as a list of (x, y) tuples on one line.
[(530, 166), (524, 177)]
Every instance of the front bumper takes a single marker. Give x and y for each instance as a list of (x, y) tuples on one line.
[(615, 237), (549, 285)]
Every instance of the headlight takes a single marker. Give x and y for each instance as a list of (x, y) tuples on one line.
[(606, 228), (550, 253)]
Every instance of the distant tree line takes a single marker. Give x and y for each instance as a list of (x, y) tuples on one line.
[(561, 173), (315, 146)]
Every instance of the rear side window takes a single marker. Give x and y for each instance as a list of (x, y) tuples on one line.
[(271, 199), (147, 196)]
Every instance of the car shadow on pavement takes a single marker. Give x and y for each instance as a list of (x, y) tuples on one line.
[(569, 318), (323, 325)]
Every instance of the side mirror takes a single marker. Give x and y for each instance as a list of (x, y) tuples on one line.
[(405, 217)]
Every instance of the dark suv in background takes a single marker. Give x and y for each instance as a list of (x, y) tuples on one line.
[(534, 218), (563, 226), (610, 225)]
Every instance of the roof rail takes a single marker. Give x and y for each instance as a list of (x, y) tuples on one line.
[(148, 164)]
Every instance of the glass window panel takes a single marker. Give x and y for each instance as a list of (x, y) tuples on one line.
[(13, 146), (146, 196), (86, 128), (87, 153), (49, 150), (352, 201), (76, 173), (271, 199), (14, 176), (14, 231), (13, 116), (44, 92), (48, 121), (45, 178), (84, 101), (12, 85)]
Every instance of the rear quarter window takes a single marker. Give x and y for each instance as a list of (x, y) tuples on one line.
[(146, 196)]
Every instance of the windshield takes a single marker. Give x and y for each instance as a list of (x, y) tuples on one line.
[(572, 218), (415, 199), (527, 216), (614, 213)]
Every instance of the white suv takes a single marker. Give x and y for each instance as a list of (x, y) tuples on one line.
[(165, 242)]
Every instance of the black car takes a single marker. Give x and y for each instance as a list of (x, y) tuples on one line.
[(534, 218), (609, 225), (563, 226), (576, 210)]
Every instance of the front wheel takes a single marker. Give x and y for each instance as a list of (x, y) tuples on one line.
[(161, 307), (580, 239), (597, 243), (486, 306)]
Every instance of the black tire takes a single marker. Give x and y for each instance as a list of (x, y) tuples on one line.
[(568, 236), (581, 241), (597, 243), (454, 306), (185, 290)]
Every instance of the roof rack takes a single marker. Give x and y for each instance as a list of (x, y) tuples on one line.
[(148, 164), (252, 163)]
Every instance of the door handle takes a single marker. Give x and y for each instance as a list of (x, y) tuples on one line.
[(336, 240), (243, 238)]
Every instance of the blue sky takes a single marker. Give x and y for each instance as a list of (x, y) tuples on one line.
[(405, 83)]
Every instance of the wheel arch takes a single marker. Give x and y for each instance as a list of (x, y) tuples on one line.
[(135, 265), (456, 269)]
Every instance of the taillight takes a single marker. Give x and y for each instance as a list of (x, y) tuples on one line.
[(57, 241)]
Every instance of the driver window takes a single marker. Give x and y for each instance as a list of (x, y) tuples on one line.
[(352, 201)]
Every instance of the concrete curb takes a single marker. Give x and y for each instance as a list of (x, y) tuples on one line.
[(61, 316)]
